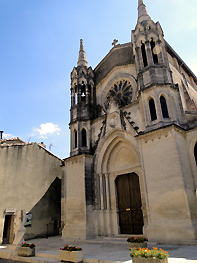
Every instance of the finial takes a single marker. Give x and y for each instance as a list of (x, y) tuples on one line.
[(142, 12), (114, 42), (82, 55)]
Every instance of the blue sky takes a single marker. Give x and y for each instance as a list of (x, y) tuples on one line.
[(39, 48)]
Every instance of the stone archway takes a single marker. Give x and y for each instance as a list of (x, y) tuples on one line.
[(119, 155), (129, 204)]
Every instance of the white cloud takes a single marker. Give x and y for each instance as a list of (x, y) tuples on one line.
[(7, 136), (47, 129)]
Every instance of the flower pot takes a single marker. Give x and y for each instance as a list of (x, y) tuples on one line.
[(71, 256), (26, 251), (137, 245), (149, 260)]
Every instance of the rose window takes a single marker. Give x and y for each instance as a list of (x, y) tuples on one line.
[(121, 92)]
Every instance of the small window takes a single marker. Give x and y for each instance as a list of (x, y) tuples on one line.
[(195, 152), (144, 55), (153, 49), (75, 134), (83, 138), (152, 109), (164, 107)]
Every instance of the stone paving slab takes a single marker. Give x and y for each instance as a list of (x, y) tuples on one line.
[(100, 250)]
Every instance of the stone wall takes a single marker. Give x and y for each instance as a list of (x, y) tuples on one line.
[(27, 171), (170, 186)]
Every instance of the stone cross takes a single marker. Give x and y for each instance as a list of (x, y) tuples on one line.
[(114, 42)]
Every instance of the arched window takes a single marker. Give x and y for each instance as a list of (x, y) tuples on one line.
[(75, 134), (152, 109), (83, 138), (155, 57), (195, 152), (164, 107), (144, 55)]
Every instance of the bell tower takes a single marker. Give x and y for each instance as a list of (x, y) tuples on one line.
[(149, 48), (82, 101), (155, 82)]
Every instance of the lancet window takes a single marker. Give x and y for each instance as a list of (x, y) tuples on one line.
[(164, 107), (152, 109), (144, 57), (83, 138), (83, 91), (75, 138)]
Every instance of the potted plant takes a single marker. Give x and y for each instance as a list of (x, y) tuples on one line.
[(145, 255), (137, 242), (26, 250), (71, 254)]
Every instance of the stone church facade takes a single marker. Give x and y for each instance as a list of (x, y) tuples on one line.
[(133, 142), (133, 151)]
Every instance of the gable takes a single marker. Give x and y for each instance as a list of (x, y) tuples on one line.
[(118, 56)]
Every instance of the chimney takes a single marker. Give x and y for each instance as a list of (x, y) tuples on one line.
[(1, 135)]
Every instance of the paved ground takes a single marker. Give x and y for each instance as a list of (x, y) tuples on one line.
[(8, 261), (103, 250)]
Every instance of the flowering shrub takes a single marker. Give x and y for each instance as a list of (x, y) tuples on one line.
[(149, 253), (71, 248), (137, 239), (27, 245)]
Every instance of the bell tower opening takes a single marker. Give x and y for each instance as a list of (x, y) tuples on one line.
[(83, 138), (83, 91), (144, 55), (152, 109), (195, 152), (164, 107)]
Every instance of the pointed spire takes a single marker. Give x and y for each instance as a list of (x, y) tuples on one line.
[(82, 56), (142, 12)]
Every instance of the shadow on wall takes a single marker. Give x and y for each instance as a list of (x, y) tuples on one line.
[(45, 217)]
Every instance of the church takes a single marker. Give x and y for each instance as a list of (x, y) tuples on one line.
[(133, 142), (132, 168)]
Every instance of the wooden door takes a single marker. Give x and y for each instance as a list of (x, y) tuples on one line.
[(8, 229), (129, 204)]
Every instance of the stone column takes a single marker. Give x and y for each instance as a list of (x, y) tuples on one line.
[(79, 94), (159, 52), (101, 191), (108, 191), (149, 53), (87, 94), (72, 96), (138, 59)]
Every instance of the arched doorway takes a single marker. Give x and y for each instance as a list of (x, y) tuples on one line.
[(129, 204)]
